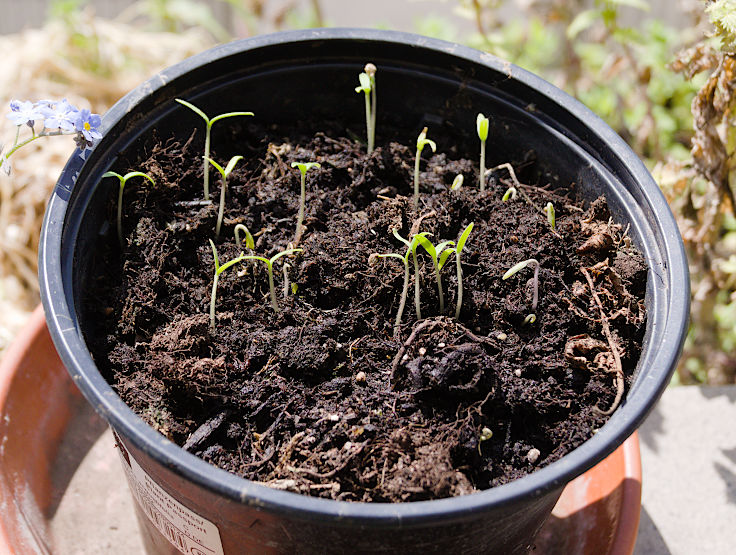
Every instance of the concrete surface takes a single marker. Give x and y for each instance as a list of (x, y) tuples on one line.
[(95, 514), (688, 448)]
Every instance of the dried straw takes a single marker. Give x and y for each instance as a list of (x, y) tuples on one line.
[(92, 65)]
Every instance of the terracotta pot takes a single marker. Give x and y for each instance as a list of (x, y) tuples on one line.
[(37, 402), (598, 512), (280, 77)]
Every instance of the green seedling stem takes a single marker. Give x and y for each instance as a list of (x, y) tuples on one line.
[(422, 141), (287, 266), (458, 251), (481, 124), (535, 283), (439, 255), (224, 173), (367, 86), (123, 180), (269, 262), (218, 270), (370, 69), (208, 131), (412, 247), (402, 303), (304, 167)]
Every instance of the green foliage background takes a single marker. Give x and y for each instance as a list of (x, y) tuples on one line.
[(668, 91)]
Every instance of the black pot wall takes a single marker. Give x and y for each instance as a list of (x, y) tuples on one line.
[(311, 75)]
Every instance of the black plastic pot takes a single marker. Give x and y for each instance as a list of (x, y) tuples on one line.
[(284, 77)]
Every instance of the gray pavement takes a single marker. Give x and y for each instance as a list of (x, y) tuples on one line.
[(688, 447), (688, 451)]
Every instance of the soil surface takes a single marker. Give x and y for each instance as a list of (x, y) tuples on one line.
[(323, 397)]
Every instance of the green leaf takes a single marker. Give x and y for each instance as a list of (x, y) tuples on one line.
[(722, 15), (304, 167), (194, 109), (638, 4), (229, 263), (256, 257), (218, 167), (231, 164), (446, 252), (444, 245), (249, 242), (414, 245), (214, 253), (422, 141), (628, 35), (137, 174), (481, 123), (284, 253), (400, 238), (112, 174), (365, 84), (463, 238), (509, 194), (229, 115), (427, 244), (517, 267), (582, 21)]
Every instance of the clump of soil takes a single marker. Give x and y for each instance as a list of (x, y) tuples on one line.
[(322, 398)]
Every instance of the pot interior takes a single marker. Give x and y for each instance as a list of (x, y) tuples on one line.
[(302, 86), (309, 77)]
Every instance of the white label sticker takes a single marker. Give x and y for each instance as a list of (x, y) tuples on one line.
[(187, 531)]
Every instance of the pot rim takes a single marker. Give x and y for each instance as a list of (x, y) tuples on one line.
[(639, 401)]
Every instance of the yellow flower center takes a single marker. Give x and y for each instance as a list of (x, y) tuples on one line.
[(87, 126)]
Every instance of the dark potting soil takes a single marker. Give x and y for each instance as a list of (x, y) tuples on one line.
[(321, 398)]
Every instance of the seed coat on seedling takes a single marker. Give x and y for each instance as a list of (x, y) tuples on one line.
[(422, 141), (368, 88)]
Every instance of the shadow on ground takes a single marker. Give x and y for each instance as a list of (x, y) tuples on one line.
[(650, 540)]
